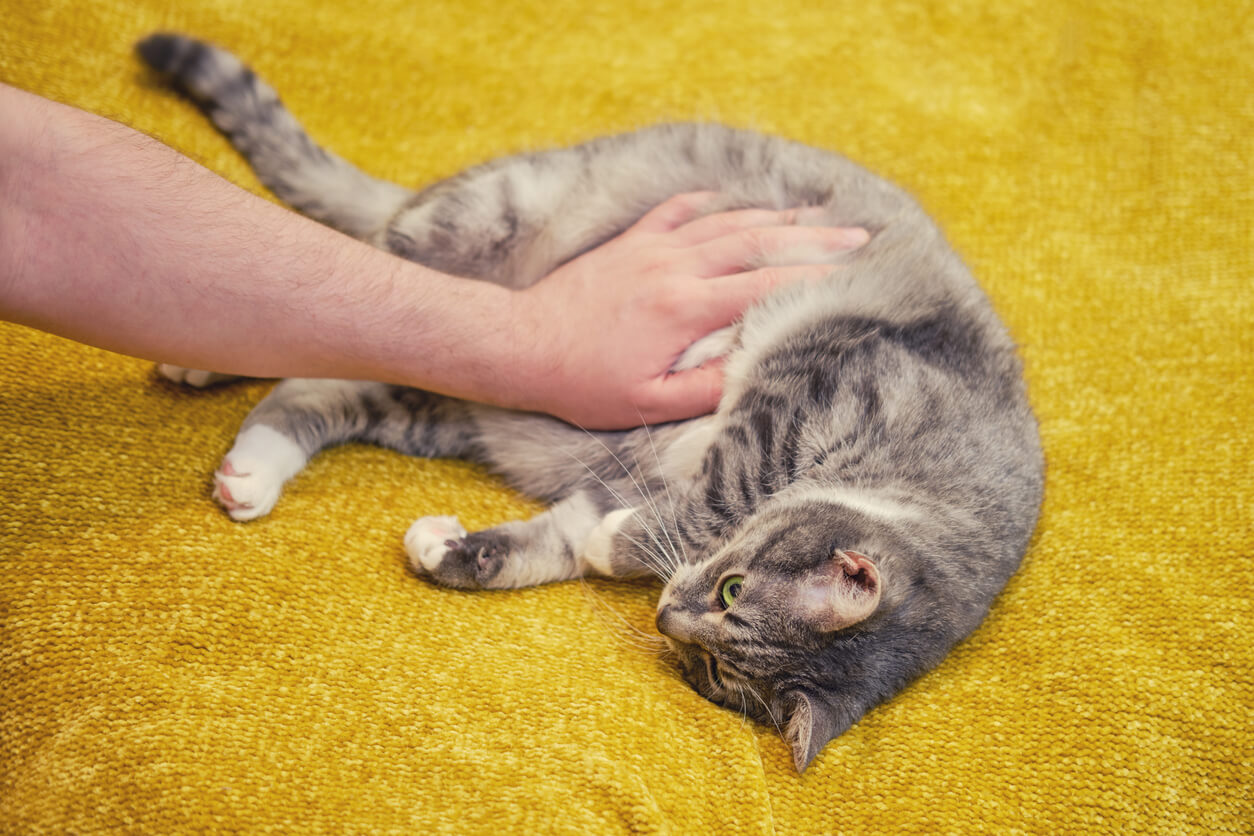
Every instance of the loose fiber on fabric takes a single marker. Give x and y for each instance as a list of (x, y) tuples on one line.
[(165, 670)]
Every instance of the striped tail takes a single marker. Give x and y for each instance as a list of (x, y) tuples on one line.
[(248, 111)]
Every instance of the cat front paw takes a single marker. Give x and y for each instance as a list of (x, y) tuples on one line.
[(198, 378), (428, 541), (440, 550)]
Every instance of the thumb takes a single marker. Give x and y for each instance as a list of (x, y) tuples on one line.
[(730, 296), (681, 395)]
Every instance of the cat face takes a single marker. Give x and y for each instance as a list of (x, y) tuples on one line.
[(750, 623)]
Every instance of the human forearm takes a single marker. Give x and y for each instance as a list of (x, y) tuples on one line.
[(170, 262)]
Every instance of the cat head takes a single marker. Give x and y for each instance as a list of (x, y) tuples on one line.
[(761, 624)]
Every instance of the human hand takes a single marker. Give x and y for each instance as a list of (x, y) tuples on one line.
[(608, 326)]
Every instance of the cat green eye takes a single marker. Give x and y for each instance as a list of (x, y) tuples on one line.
[(729, 589)]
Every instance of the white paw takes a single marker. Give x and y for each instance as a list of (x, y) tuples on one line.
[(246, 489), (251, 477), (192, 377), (426, 542)]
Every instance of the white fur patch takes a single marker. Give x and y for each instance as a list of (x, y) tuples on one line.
[(681, 460), (862, 501), (598, 547), (192, 377), (426, 541), (252, 475)]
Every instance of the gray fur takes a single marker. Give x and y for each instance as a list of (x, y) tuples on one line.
[(879, 413)]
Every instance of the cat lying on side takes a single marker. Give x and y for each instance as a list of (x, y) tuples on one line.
[(868, 484)]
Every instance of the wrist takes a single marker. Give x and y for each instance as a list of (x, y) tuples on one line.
[(459, 337), (516, 365), (533, 365)]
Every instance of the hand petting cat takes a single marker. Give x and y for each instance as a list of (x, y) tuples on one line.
[(113, 239), (617, 318)]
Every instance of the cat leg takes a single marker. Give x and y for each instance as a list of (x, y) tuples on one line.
[(547, 548), (252, 475), (541, 550), (300, 417)]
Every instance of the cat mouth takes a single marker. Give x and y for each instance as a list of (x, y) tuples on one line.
[(720, 683), (712, 671), (716, 682)]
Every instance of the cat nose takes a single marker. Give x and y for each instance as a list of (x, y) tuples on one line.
[(670, 623)]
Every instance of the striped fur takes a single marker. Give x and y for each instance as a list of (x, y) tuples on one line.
[(868, 484)]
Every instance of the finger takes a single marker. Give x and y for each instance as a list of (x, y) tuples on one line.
[(682, 395), (785, 245), (710, 227), (731, 295), (675, 212)]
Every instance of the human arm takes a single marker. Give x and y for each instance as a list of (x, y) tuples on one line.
[(111, 238)]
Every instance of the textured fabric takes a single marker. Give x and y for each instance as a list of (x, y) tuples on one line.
[(164, 670)]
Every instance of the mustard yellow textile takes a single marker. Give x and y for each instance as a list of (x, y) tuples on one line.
[(164, 670)]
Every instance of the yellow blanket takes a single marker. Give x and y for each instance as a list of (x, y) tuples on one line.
[(164, 670)]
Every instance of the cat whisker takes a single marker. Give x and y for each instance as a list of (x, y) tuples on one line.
[(744, 706), (669, 562), (622, 629), (670, 556), (766, 708), (661, 475), (656, 511), (651, 505), (657, 562)]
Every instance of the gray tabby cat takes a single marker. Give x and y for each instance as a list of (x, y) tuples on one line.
[(870, 480)]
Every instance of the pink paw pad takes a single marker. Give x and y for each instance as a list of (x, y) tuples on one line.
[(220, 490), (224, 495)]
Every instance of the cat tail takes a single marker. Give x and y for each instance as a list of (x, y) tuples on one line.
[(248, 111)]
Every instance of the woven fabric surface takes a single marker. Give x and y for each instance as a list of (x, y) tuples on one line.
[(165, 670)]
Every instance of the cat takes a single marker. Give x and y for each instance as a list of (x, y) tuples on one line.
[(868, 484)]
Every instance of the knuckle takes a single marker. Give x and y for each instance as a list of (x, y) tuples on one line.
[(757, 241), (690, 204), (769, 277), (757, 237), (683, 203)]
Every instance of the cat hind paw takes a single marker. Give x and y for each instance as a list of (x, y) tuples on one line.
[(196, 378), (251, 477), (247, 490)]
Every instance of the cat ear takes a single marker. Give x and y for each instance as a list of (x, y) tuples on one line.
[(811, 725), (842, 592)]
